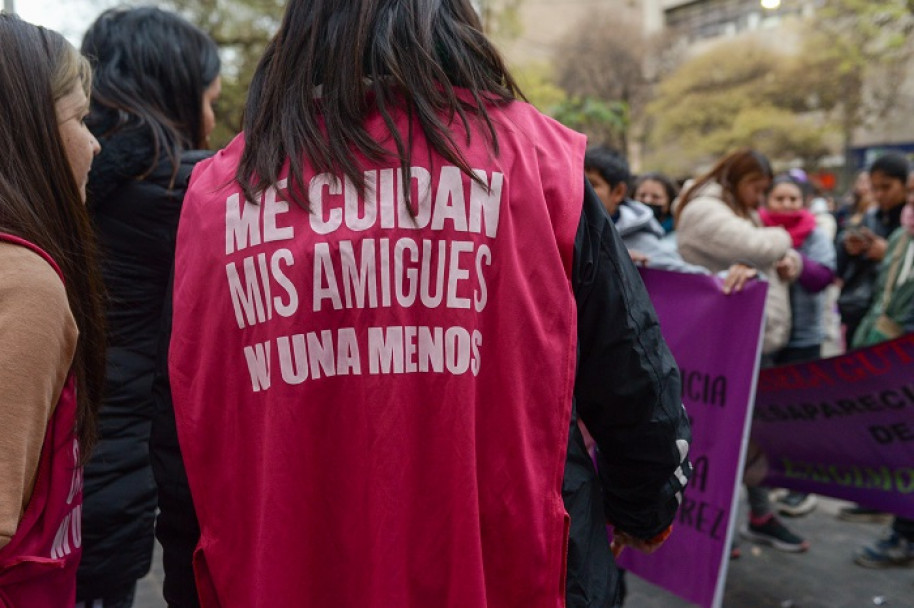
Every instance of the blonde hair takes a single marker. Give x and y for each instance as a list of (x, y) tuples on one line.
[(71, 69)]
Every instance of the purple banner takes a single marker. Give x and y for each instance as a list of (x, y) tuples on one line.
[(715, 340), (843, 427)]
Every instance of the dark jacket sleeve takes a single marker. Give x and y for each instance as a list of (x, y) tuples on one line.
[(177, 529), (628, 389)]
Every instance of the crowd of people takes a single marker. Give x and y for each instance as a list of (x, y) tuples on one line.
[(387, 347), (741, 216)]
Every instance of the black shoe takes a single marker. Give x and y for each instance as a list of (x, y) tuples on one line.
[(773, 533)]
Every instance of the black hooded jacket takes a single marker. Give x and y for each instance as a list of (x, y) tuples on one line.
[(135, 219)]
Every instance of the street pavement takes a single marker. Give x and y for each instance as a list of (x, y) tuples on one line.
[(824, 577)]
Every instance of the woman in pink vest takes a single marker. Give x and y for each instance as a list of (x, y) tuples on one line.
[(393, 295), (52, 360)]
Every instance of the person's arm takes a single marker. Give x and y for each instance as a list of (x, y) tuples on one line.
[(39, 339), (627, 388), (819, 262), (708, 226), (815, 276), (177, 528)]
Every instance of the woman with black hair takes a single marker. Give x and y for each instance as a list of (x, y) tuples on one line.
[(658, 192), (51, 313), (156, 78), (381, 289)]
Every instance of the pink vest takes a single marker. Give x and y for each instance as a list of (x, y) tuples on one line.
[(373, 407), (38, 566)]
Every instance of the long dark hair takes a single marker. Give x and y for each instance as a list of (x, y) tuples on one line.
[(332, 62), (151, 68), (728, 172), (39, 197)]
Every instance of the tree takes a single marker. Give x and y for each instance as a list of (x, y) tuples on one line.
[(738, 93), (855, 59), (600, 66), (242, 29)]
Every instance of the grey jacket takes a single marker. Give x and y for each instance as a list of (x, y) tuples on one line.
[(641, 232), (808, 308)]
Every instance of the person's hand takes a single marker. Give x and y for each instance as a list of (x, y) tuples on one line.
[(789, 266), (637, 257), (856, 241), (622, 540), (877, 245), (737, 276)]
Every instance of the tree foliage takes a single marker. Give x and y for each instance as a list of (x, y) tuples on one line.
[(241, 28), (855, 59), (739, 93), (600, 66)]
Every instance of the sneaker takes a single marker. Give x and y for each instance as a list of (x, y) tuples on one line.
[(795, 504), (865, 515), (891, 550), (773, 533)]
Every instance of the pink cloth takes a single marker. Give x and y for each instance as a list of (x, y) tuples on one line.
[(798, 223), (373, 407), (38, 566)]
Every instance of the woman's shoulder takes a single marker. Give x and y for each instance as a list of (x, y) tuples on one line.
[(30, 285)]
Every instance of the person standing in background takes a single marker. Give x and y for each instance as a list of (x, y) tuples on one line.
[(658, 192), (717, 225), (861, 247), (785, 206), (890, 316), (607, 171), (51, 313), (156, 78)]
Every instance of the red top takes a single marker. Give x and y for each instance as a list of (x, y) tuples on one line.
[(373, 408), (38, 566)]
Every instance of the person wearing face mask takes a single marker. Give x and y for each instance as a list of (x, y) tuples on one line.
[(717, 225), (157, 77), (51, 313), (658, 192), (891, 315), (608, 172)]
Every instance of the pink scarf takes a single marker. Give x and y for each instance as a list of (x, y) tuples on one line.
[(907, 218), (797, 223)]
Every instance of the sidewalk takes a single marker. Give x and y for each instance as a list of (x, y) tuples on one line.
[(824, 577)]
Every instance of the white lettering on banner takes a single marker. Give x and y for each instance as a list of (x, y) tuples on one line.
[(258, 359), (390, 350), (243, 226), (323, 222), (251, 289), (69, 535), (436, 271), (272, 207)]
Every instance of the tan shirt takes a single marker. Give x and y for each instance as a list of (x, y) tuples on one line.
[(38, 334)]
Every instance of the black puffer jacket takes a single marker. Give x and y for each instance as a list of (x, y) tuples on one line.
[(136, 220)]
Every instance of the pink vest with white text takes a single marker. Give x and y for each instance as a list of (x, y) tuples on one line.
[(38, 566), (373, 405)]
